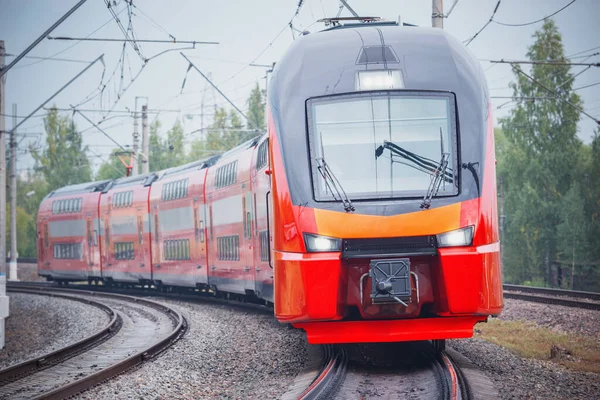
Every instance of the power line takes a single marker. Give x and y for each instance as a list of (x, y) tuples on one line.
[(129, 40), (51, 59), (597, 121), (194, 42), (100, 129), (5, 69), (486, 24), (587, 86), (542, 62), (538, 20)]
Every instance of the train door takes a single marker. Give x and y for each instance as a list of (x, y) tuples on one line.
[(246, 245), (261, 186), (106, 257), (90, 245), (141, 255), (43, 241), (200, 254), (156, 253)]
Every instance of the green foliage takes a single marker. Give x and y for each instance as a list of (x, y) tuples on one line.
[(63, 161), (168, 152), (112, 168), (256, 108), (540, 162)]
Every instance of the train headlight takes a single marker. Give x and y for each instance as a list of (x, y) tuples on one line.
[(379, 80), (459, 237), (317, 243)]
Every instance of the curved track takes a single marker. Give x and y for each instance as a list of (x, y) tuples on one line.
[(147, 328), (16, 371), (436, 371)]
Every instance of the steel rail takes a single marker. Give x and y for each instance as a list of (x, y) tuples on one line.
[(328, 381), (458, 387), (15, 371), (128, 363), (552, 300), (553, 292)]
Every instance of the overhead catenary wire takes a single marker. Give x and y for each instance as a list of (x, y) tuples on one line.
[(5, 69), (538, 20), (484, 26), (559, 97)]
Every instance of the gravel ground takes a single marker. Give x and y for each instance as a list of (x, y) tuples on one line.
[(28, 272), (40, 324), (560, 318), (518, 378), (227, 353)]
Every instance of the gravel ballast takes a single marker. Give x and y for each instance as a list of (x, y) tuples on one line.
[(228, 352), (559, 318), (518, 378), (40, 324)]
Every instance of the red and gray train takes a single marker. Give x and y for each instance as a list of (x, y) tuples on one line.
[(366, 213)]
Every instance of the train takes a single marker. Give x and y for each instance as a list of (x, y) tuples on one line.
[(367, 211)]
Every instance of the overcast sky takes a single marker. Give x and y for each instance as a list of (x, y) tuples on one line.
[(244, 29)]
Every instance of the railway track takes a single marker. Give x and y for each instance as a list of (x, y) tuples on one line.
[(139, 329), (590, 300), (338, 378)]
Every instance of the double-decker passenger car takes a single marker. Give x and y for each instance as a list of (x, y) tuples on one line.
[(68, 244), (367, 213)]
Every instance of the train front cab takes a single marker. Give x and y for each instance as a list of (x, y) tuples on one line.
[(392, 233)]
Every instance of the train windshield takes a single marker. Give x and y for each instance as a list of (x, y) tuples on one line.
[(383, 145)]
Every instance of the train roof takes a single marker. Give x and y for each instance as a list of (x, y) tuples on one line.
[(327, 62), (195, 165), (143, 180), (88, 187)]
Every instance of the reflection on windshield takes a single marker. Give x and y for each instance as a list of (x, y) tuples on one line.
[(384, 146)]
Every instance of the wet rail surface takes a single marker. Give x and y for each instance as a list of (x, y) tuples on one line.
[(146, 329)]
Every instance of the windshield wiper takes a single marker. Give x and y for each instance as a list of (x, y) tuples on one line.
[(439, 172), (416, 161), (437, 176), (334, 185)]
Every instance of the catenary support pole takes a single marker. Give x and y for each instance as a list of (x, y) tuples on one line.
[(2, 167), (437, 14), (136, 139), (13, 199), (145, 141)]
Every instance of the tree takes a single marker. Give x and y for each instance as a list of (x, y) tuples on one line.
[(256, 108), (169, 152), (63, 161), (112, 168), (572, 230), (540, 159)]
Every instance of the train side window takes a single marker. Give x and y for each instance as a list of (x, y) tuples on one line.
[(201, 231)]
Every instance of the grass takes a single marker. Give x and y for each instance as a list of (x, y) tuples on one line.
[(527, 340)]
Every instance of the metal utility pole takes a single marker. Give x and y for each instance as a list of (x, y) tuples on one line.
[(437, 14), (136, 138), (145, 141), (13, 199), (2, 165)]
